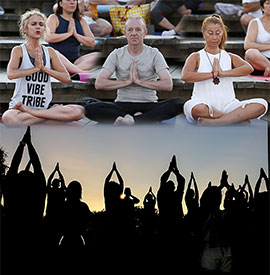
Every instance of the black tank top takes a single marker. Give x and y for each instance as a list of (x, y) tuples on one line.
[(70, 47)]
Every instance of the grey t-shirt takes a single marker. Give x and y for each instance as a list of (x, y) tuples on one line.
[(149, 62)]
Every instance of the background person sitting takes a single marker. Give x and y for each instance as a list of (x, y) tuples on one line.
[(257, 42), (164, 8), (98, 26), (252, 9), (66, 31)]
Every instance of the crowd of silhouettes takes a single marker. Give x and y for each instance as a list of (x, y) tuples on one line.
[(47, 228)]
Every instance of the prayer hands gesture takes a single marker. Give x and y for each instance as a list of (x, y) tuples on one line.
[(216, 68), (39, 59), (133, 74), (27, 136), (72, 27)]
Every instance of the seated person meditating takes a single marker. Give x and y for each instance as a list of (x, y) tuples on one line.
[(211, 69), (137, 68), (257, 42), (66, 31), (33, 65)]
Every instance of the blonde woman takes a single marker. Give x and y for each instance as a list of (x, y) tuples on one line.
[(32, 65), (211, 69)]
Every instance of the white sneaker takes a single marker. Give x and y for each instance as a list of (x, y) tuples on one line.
[(168, 33)]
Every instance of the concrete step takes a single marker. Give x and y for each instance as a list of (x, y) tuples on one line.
[(191, 24), (245, 88), (176, 48), (20, 6)]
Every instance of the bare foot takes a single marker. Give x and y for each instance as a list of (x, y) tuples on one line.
[(187, 11), (138, 114), (56, 105), (118, 121), (267, 72), (205, 121), (216, 122), (19, 106), (127, 120), (245, 123)]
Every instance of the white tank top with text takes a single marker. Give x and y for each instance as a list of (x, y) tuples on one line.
[(33, 90)]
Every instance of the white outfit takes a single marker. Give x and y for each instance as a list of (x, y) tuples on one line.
[(256, 13), (33, 90), (221, 96), (263, 37)]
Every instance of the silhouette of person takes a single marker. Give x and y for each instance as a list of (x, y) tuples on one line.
[(77, 220), (56, 192), (192, 196), (24, 199), (216, 226), (191, 225), (25, 190), (113, 191), (170, 199), (261, 220), (55, 205), (149, 221), (128, 206), (3, 168)]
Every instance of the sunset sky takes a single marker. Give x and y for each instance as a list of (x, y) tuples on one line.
[(142, 154)]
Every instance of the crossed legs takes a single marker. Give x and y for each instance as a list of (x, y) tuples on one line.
[(201, 113), (22, 115), (133, 113), (258, 61)]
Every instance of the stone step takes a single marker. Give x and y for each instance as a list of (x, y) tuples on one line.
[(176, 48), (191, 24), (19, 6), (245, 88)]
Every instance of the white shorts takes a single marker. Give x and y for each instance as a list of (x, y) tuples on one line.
[(190, 104), (214, 259)]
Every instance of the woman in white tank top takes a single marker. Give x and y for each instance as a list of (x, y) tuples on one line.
[(32, 65), (257, 42), (211, 69)]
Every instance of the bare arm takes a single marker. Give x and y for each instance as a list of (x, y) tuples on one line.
[(164, 84), (58, 70), (88, 38), (16, 160), (248, 7), (50, 35), (49, 181), (250, 40), (13, 70), (104, 82), (240, 67), (189, 73)]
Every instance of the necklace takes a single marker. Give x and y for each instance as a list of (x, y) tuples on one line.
[(215, 79)]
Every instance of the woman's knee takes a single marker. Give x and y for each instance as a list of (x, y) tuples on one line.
[(252, 54), (199, 110), (10, 119), (76, 112), (262, 108)]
